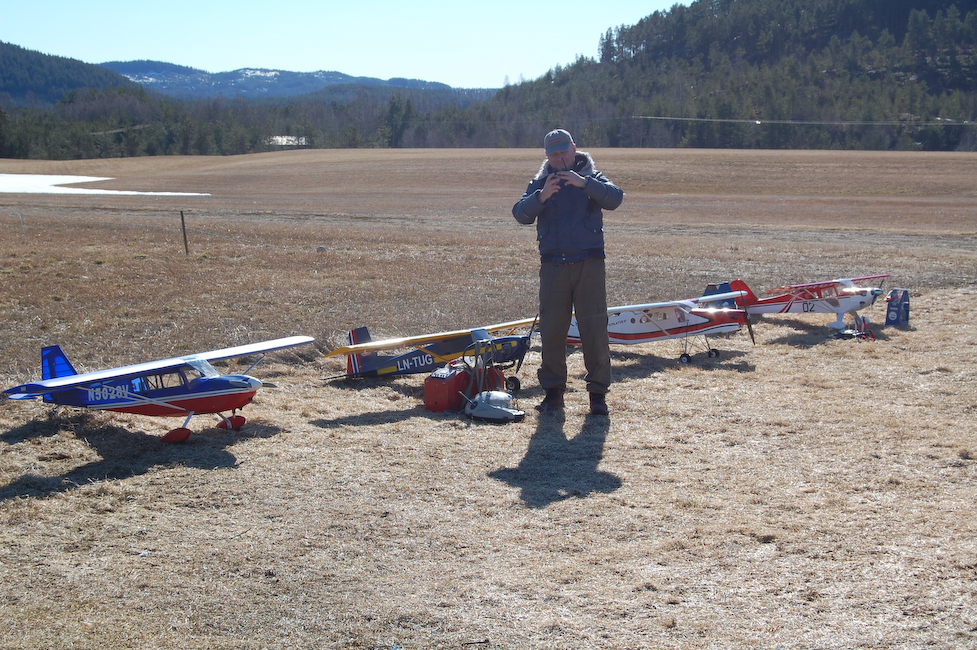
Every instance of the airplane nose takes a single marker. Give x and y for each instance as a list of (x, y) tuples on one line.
[(245, 382)]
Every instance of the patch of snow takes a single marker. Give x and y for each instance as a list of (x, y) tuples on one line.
[(287, 141), (51, 184)]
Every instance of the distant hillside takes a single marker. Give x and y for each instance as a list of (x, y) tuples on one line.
[(180, 110), (874, 74), (29, 78), (180, 81), (774, 74)]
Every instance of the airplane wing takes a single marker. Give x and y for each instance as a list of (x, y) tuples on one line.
[(251, 348), (869, 277), (827, 283), (197, 361), (717, 297), (424, 339)]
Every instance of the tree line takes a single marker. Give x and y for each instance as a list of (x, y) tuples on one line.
[(870, 74), (857, 74)]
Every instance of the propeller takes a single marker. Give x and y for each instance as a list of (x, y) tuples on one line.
[(749, 328)]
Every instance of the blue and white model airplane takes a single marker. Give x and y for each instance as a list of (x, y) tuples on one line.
[(181, 386)]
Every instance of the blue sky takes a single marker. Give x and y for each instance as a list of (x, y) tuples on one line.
[(463, 44)]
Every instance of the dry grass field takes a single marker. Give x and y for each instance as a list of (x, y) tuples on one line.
[(804, 492)]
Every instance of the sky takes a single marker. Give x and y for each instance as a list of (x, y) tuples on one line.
[(462, 44)]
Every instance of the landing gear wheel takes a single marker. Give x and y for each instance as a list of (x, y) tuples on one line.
[(713, 354), (685, 358), (513, 385), (177, 435)]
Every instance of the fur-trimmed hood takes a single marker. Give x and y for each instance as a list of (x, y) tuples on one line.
[(583, 164)]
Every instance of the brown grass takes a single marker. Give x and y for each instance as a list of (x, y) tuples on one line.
[(804, 492)]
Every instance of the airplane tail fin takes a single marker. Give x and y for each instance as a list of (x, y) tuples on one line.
[(716, 289), (54, 363), (354, 362), (750, 297)]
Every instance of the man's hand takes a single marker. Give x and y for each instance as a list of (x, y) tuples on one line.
[(550, 187), (571, 177), (555, 181)]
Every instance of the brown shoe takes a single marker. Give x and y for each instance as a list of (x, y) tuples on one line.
[(598, 404), (553, 400)]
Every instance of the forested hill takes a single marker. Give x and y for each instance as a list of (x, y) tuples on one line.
[(32, 78), (190, 83), (875, 74), (865, 74)]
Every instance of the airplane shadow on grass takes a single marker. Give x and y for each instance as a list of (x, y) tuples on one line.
[(358, 384), (807, 334), (122, 453), (393, 415), (556, 468), (635, 365), (371, 419)]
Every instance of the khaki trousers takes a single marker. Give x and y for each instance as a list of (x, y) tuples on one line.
[(563, 289)]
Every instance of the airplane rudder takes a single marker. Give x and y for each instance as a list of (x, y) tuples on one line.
[(750, 297), (359, 335), (55, 363), (354, 362), (717, 288)]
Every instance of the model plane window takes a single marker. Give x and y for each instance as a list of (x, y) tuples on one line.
[(174, 380), (168, 380)]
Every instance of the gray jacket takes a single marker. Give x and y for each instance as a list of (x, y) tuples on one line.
[(570, 225)]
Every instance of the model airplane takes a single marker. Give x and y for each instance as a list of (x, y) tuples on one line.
[(690, 320), (841, 296), (430, 351), (675, 319), (156, 388)]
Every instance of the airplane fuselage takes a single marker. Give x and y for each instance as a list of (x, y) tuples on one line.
[(630, 327), (825, 300), (170, 395), (506, 349)]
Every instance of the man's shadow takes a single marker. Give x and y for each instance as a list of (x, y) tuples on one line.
[(122, 453), (556, 468)]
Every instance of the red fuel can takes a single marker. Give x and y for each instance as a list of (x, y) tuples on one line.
[(444, 387)]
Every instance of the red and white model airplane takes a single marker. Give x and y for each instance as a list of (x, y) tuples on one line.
[(155, 388), (841, 296), (690, 320)]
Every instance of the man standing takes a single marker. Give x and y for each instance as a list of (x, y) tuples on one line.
[(565, 200)]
